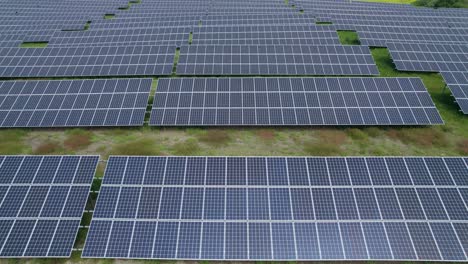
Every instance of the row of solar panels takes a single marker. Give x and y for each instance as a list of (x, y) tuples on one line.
[(194, 60), (158, 33), (338, 13), (450, 60), (238, 208), (217, 101)]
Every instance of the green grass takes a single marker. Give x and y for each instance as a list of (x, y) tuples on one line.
[(407, 2), (190, 38), (109, 16), (323, 23), (348, 37), (87, 25), (176, 61), (33, 45)]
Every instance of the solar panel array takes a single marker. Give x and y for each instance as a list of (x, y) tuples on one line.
[(457, 82), (275, 60), (42, 199), (429, 57), (122, 37), (86, 61), (293, 34), (278, 208), (292, 101), (379, 24), (450, 60), (73, 103)]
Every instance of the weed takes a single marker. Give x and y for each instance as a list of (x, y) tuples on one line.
[(462, 147), (34, 44), (323, 23), (186, 148), (176, 61), (143, 147), (357, 134), (373, 131), (49, 147), (266, 134), (78, 139), (12, 142), (321, 149), (215, 137), (329, 136), (427, 137), (348, 37)]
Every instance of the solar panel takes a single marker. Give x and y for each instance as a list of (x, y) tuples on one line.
[(266, 35), (42, 199), (74, 103), (86, 61), (281, 208), (275, 59), (122, 37), (292, 101), (429, 57), (457, 82)]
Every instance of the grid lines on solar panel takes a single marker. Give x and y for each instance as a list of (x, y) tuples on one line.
[(457, 82), (74, 103), (292, 101), (42, 199), (275, 59), (86, 61), (121, 37), (281, 208), (266, 35), (429, 57)]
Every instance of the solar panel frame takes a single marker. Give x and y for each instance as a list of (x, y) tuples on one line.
[(275, 60), (457, 82), (292, 102), (229, 236), (30, 191), (74, 103)]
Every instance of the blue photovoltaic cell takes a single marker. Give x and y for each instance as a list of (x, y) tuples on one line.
[(284, 246), (213, 241), (330, 241), (400, 241), (280, 208), (293, 102), (376, 241), (307, 245), (142, 241), (236, 241), (119, 240), (42, 203), (424, 244), (189, 236), (260, 241), (165, 241), (73, 103), (353, 241)]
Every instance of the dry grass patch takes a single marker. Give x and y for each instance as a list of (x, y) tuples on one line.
[(78, 139), (426, 137), (336, 137), (143, 147), (321, 149), (49, 147), (265, 134), (215, 137), (462, 147)]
